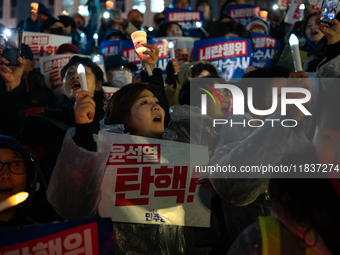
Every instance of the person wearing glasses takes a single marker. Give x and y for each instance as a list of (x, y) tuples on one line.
[(14, 166)]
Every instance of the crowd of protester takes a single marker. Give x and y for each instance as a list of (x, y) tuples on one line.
[(248, 215)]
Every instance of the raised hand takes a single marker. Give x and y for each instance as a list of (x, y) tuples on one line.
[(12, 74), (84, 108)]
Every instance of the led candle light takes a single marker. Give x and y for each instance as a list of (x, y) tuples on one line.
[(82, 77), (294, 47), (95, 37), (171, 50), (199, 26), (13, 200), (82, 36), (138, 39)]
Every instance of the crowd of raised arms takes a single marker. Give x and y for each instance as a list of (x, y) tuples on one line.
[(49, 145)]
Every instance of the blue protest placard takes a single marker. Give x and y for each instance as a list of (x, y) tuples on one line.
[(108, 48), (127, 49), (186, 19), (243, 13), (265, 48), (230, 54), (85, 236)]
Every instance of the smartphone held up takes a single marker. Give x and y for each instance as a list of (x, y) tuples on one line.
[(10, 44), (329, 10)]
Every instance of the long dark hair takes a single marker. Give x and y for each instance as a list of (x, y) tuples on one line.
[(119, 106)]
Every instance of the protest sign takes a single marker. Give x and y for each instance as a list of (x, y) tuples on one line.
[(186, 18), (108, 48), (50, 68), (127, 49), (43, 44), (108, 92), (243, 13), (183, 47), (86, 236), (149, 181), (294, 13), (232, 55), (265, 48), (283, 4)]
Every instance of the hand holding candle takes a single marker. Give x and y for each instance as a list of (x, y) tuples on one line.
[(82, 77), (139, 40), (13, 200), (294, 47)]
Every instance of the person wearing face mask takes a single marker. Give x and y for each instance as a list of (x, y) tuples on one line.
[(119, 70), (205, 7)]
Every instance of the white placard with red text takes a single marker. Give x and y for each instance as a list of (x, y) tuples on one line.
[(283, 4), (294, 13), (149, 181), (43, 44), (50, 67), (184, 48), (108, 93)]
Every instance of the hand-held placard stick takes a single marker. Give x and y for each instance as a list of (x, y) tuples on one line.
[(82, 77), (13, 200), (294, 47), (138, 39)]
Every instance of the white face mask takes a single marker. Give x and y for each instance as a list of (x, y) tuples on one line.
[(121, 78)]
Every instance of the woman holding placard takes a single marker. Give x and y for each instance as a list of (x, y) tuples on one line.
[(134, 109)]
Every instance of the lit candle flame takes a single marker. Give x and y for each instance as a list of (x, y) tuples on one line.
[(171, 44), (13, 200)]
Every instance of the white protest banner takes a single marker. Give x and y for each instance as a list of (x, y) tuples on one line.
[(294, 13), (149, 181), (108, 92), (50, 67), (43, 44), (283, 4), (183, 47)]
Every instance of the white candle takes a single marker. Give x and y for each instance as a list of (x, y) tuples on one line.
[(13, 200), (82, 77), (82, 36), (294, 47), (199, 26), (147, 66), (171, 50), (95, 37)]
